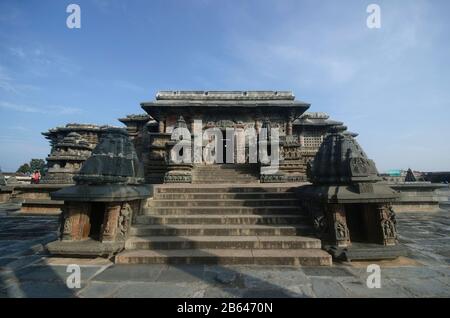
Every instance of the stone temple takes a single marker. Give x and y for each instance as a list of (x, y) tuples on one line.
[(124, 192)]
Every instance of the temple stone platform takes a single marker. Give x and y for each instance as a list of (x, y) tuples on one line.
[(420, 196), (223, 224), (34, 198)]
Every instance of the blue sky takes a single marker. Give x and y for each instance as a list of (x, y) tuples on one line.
[(391, 85)]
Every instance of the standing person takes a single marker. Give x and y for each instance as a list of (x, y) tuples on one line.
[(36, 176)]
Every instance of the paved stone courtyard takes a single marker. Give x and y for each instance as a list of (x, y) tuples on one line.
[(25, 271)]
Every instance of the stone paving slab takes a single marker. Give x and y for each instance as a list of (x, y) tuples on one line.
[(100, 290), (161, 289), (130, 273), (26, 271)]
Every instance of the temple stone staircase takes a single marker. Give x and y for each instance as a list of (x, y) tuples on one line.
[(220, 224), (226, 173)]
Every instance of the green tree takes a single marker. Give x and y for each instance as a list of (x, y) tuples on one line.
[(25, 168), (37, 164)]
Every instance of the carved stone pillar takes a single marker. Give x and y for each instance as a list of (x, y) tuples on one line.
[(110, 222), (191, 125), (387, 224), (76, 222), (257, 126), (338, 225), (289, 126), (302, 140), (124, 221), (66, 224), (161, 126)]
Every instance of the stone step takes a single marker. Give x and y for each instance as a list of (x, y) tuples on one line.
[(222, 219), (220, 230), (198, 188), (221, 181), (228, 180), (224, 174), (225, 196), (221, 242), (305, 257), (225, 171), (215, 203), (41, 207), (228, 210), (225, 167)]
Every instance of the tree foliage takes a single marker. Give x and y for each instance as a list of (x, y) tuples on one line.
[(25, 168), (35, 164)]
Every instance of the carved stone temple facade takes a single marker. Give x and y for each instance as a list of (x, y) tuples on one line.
[(300, 133), (133, 199)]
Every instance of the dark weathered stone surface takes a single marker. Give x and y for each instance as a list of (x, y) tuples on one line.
[(112, 178), (410, 176), (114, 160), (112, 173), (66, 158), (426, 275), (84, 248), (348, 203), (2, 179), (341, 160)]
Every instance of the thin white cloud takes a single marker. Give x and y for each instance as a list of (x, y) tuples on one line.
[(10, 85), (42, 62), (48, 110)]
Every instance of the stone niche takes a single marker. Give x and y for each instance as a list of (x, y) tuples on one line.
[(98, 210), (350, 208)]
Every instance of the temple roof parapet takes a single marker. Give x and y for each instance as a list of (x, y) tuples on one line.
[(258, 104), (73, 127), (225, 95), (135, 118), (316, 119)]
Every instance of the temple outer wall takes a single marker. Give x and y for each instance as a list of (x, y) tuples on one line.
[(35, 198), (5, 194), (419, 196)]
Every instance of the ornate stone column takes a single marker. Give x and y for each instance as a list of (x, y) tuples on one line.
[(289, 125), (110, 221), (338, 225), (387, 224), (161, 125), (76, 224), (257, 126)]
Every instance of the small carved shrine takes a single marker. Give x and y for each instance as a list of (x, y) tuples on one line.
[(350, 208), (66, 159), (109, 190)]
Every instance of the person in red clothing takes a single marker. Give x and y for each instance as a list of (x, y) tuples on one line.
[(35, 177)]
